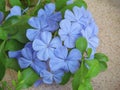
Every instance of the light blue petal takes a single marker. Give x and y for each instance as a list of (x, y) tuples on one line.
[(34, 22), (56, 42), (69, 15), (24, 63), (43, 54), (76, 29), (73, 66), (74, 55), (58, 76), (49, 8), (1, 17), (61, 52), (56, 16), (15, 11), (27, 53), (41, 13), (94, 41), (69, 43), (14, 54), (37, 83), (46, 37), (32, 34), (56, 64), (69, 2), (47, 77), (77, 12), (38, 45)]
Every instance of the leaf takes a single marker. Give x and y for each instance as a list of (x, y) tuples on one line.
[(13, 45), (16, 27), (3, 34), (28, 77), (65, 78), (94, 68), (81, 44), (89, 51), (103, 66), (15, 2), (79, 76), (2, 70), (101, 57), (12, 64), (2, 5), (60, 4), (85, 86)]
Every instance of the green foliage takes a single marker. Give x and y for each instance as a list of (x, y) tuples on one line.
[(65, 78), (2, 70), (15, 2), (26, 78), (89, 52), (2, 5), (81, 44)]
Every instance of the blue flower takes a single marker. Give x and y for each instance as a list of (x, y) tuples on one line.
[(69, 32), (70, 2), (91, 37), (79, 15), (45, 45), (50, 77), (47, 20), (1, 17), (15, 11), (63, 60), (28, 58)]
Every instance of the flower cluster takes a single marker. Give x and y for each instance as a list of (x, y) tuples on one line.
[(51, 51)]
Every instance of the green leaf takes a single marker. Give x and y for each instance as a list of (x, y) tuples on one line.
[(15, 2), (65, 78), (13, 64), (27, 79), (2, 5), (103, 66), (101, 57), (13, 45), (60, 4), (86, 86), (81, 44), (16, 28), (3, 34), (94, 68), (2, 70), (79, 76), (89, 51)]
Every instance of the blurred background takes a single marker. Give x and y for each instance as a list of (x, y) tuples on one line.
[(107, 16)]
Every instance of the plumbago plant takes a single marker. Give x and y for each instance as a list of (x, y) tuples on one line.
[(49, 41)]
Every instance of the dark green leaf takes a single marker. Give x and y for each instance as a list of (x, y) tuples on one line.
[(28, 77), (13, 45), (94, 68), (15, 2), (60, 4), (81, 44), (103, 66), (2, 5), (3, 34), (101, 57), (85, 86), (79, 76), (2, 70), (65, 78)]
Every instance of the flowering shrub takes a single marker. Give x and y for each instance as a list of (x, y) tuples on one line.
[(50, 42)]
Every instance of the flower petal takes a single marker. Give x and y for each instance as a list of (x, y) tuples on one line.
[(77, 12), (14, 54), (56, 16), (1, 17), (49, 8), (69, 15), (24, 63), (56, 42), (69, 43)]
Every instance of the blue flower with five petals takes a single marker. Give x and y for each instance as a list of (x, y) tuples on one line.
[(69, 32), (45, 45), (63, 60)]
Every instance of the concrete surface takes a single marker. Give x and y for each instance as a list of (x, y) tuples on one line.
[(107, 16)]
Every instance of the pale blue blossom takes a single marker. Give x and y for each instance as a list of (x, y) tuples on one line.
[(50, 77), (69, 32), (70, 2), (91, 38), (15, 11), (45, 45), (64, 60)]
